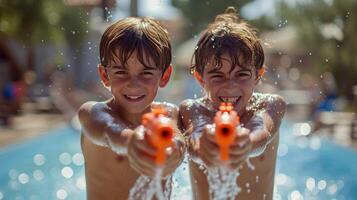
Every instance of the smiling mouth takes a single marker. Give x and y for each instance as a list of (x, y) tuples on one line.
[(231, 99), (134, 97)]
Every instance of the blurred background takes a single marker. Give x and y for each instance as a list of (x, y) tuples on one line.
[(49, 51)]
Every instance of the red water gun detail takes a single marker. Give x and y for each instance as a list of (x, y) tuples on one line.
[(226, 121), (159, 132)]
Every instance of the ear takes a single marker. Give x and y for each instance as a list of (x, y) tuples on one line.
[(198, 78), (103, 75), (260, 74), (166, 76)]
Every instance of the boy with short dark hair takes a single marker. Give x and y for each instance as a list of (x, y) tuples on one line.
[(135, 58), (228, 64)]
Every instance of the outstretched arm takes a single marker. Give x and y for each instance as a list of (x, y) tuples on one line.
[(265, 124), (102, 128)]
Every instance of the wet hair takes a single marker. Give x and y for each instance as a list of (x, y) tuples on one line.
[(231, 36), (145, 36)]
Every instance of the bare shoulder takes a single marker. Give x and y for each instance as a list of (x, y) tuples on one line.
[(268, 102), (187, 104), (275, 100), (94, 117), (188, 107), (91, 109), (171, 108), (272, 107)]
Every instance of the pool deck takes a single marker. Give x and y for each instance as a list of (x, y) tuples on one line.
[(29, 125)]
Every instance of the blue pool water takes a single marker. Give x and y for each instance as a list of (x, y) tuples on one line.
[(51, 167)]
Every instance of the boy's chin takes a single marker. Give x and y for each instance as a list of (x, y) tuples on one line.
[(136, 110)]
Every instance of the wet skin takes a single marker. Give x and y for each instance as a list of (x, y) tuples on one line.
[(115, 154), (260, 116)]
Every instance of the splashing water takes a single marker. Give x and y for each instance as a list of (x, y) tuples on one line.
[(222, 183), (146, 188), (250, 165)]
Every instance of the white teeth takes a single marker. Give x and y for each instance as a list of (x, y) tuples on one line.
[(229, 99), (133, 97)]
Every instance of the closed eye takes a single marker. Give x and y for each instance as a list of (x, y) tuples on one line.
[(244, 75), (121, 72), (147, 73), (217, 76)]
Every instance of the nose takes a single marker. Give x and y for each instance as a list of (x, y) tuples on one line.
[(232, 83), (231, 86), (133, 82)]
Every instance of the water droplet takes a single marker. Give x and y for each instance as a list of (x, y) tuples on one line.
[(310, 183), (326, 60), (39, 159), (23, 178), (321, 184), (296, 195), (61, 194), (67, 172), (78, 159), (13, 174), (65, 158), (38, 175)]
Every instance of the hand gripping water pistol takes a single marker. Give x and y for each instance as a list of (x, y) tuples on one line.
[(226, 122), (159, 132)]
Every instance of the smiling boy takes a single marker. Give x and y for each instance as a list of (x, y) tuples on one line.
[(228, 64), (135, 58)]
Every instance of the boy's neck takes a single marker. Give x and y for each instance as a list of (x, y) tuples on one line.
[(207, 103), (131, 119)]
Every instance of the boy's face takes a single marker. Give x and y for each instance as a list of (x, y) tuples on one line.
[(222, 84), (134, 86)]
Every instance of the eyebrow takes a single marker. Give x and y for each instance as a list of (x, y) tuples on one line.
[(249, 70), (150, 68), (118, 67), (215, 70)]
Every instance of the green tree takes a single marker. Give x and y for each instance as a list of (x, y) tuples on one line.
[(327, 28), (34, 21), (201, 12)]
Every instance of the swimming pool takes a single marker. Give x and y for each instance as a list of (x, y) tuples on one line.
[(51, 167)]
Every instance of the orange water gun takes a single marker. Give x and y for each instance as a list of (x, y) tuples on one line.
[(226, 121), (159, 132)]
